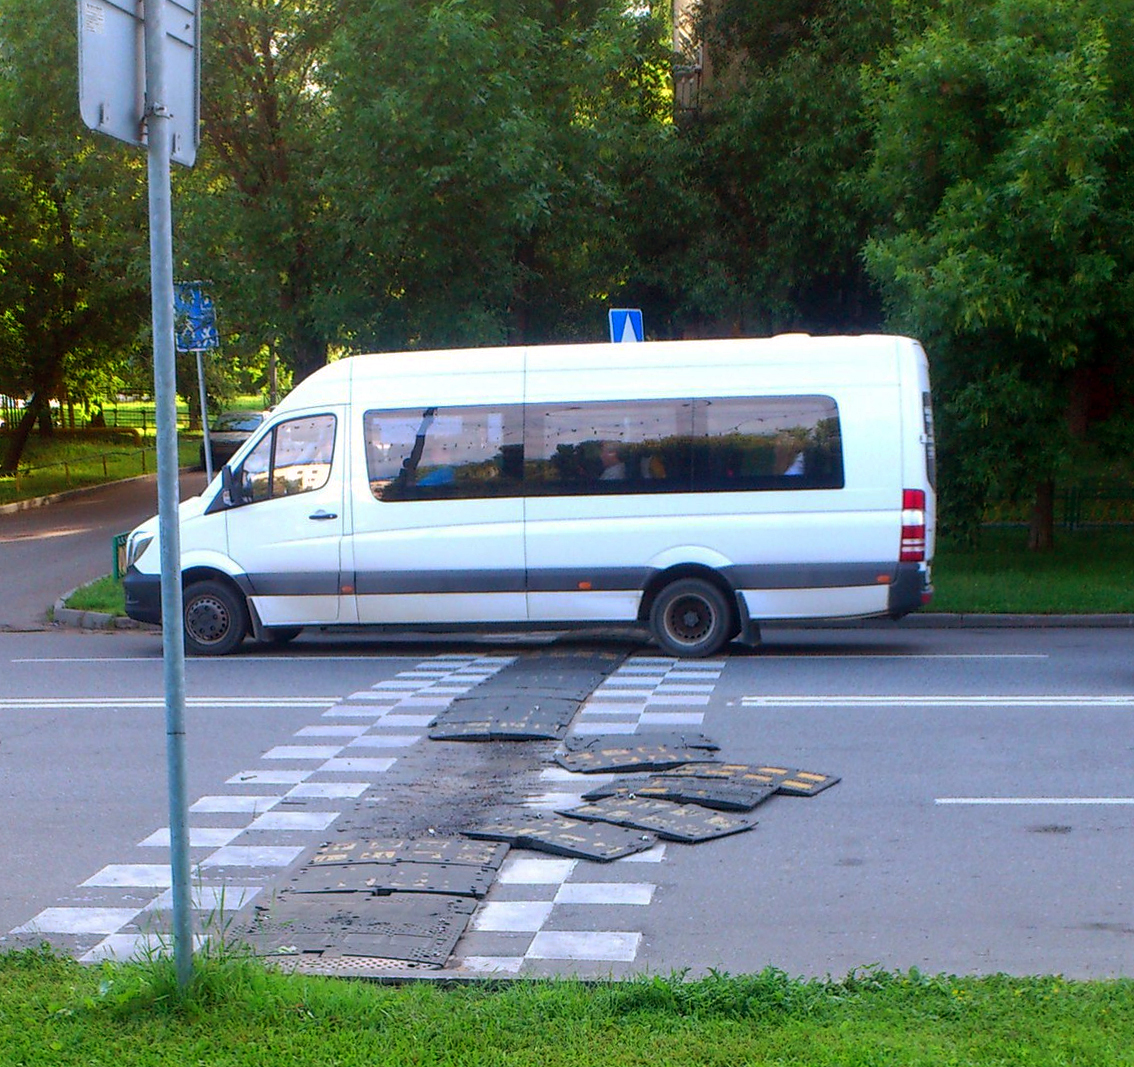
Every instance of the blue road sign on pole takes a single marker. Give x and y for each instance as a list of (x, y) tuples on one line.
[(196, 318), (626, 325)]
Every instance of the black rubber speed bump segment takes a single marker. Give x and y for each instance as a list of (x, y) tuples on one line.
[(408, 927), (789, 781), (639, 752), (518, 717), (673, 822), (452, 879), (564, 836), (412, 850), (720, 795)]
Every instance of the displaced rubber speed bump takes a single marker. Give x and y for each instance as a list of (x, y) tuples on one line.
[(673, 822), (564, 836), (518, 717), (412, 850), (454, 879), (641, 752), (721, 795), (789, 781)]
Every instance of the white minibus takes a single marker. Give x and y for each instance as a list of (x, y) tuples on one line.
[(694, 488)]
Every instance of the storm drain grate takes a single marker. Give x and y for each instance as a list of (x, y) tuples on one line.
[(414, 928)]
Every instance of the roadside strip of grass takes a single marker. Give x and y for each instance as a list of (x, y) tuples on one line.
[(1091, 571), (72, 461), (238, 1012)]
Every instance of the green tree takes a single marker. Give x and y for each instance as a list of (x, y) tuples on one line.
[(252, 213), (72, 283), (772, 220), (1002, 158), (485, 154)]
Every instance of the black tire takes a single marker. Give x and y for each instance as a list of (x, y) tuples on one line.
[(280, 635), (216, 618), (692, 618)]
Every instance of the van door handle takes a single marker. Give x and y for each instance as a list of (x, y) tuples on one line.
[(323, 515)]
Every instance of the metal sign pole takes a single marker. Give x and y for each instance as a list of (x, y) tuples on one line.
[(204, 415), (159, 149)]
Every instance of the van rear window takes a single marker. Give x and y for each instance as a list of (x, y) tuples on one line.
[(724, 444)]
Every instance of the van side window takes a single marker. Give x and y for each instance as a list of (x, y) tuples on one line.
[(767, 442), (444, 453), (295, 457), (637, 446), (727, 444)]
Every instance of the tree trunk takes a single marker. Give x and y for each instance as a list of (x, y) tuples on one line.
[(1041, 531), (19, 437)]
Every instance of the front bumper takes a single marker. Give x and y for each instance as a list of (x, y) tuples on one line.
[(143, 595)]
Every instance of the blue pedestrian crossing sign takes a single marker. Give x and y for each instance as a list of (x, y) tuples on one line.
[(195, 318), (626, 325)]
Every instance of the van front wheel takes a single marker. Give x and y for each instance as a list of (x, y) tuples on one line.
[(691, 618), (216, 618)]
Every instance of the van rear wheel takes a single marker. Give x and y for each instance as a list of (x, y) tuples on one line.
[(692, 617), (216, 618)]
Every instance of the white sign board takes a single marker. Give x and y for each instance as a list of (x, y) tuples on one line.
[(112, 71)]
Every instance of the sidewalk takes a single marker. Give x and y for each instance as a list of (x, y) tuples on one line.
[(56, 543)]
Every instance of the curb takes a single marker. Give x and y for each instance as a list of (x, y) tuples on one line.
[(974, 621), (93, 620)]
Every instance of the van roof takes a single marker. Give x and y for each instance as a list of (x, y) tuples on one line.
[(878, 350)]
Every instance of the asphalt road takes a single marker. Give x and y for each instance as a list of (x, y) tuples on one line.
[(49, 550), (984, 819)]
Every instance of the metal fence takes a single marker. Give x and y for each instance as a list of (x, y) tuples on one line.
[(1089, 504), (131, 415)]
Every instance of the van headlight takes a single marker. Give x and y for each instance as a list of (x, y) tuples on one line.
[(135, 546)]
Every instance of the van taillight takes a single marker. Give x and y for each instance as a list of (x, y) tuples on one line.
[(912, 549)]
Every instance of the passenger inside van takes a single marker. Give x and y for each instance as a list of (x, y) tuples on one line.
[(613, 468)]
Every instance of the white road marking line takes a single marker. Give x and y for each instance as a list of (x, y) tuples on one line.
[(977, 700), (637, 893), (78, 921), (511, 916), (612, 946), (54, 703), (806, 655), (1023, 801), (218, 661), (132, 875), (199, 837), (254, 856)]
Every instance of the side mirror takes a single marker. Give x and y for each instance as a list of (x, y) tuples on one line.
[(233, 493)]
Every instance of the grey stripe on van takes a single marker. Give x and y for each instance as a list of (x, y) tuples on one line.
[(615, 579)]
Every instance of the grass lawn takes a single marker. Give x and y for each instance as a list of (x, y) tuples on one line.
[(1090, 570), (72, 461), (54, 1011)]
